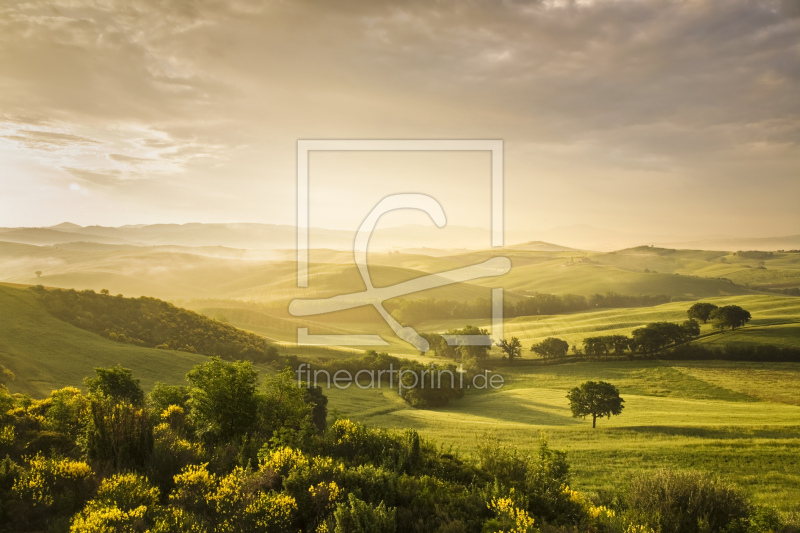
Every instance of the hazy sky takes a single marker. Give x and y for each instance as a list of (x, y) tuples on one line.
[(659, 116)]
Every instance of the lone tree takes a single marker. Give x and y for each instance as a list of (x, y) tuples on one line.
[(512, 348), (596, 398), (730, 316), (38, 273), (551, 347), (701, 311)]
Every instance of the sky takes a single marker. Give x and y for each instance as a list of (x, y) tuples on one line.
[(667, 117)]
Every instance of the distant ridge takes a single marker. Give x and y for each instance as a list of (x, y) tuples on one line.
[(541, 246), (733, 244), (429, 239), (66, 226)]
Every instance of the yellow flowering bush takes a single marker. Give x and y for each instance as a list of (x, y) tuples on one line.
[(124, 502), (594, 514), (324, 495), (509, 517), (173, 416), (638, 528), (108, 520), (127, 491), (193, 488), (347, 432), (66, 408), (7, 435), (283, 460), (47, 478), (271, 512)]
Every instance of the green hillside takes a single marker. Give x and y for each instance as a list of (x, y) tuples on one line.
[(184, 273), (46, 353)]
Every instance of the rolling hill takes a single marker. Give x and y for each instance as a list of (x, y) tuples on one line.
[(46, 353)]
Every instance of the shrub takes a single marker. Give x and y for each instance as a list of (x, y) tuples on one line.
[(357, 516), (686, 501)]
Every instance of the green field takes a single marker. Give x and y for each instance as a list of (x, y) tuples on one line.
[(741, 420), (46, 353), (774, 317)]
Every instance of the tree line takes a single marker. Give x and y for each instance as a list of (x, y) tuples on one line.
[(153, 323), (649, 339), (430, 309)]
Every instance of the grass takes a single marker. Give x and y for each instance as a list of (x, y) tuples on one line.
[(741, 420), (768, 312), (46, 353)]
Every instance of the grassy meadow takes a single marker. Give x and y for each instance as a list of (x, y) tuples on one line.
[(741, 420)]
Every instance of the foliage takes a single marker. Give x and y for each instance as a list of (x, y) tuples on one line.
[(118, 436), (117, 384), (551, 347), (729, 316), (343, 477), (658, 335), (509, 517), (689, 502), (512, 348), (595, 398), (606, 344), (49, 487), (153, 323), (732, 352), (701, 311), (223, 399), (468, 353), (429, 387), (430, 309), (162, 396), (357, 516)]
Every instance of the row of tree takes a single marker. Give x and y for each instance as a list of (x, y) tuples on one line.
[(430, 309), (651, 338), (728, 316)]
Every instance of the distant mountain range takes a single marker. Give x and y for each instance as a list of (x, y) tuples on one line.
[(434, 241)]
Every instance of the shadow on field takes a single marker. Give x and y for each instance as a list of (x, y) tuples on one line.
[(534, 413), (788, 432)]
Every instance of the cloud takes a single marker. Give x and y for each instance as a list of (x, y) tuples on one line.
[(104, 177), (48, 140), (122, 158), (208, 92)]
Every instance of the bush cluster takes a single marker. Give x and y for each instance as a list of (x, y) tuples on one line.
[(226, 453)]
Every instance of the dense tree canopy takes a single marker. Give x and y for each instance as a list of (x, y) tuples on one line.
[(730, 316), (595, 398), (551, 347), (701, 311)]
